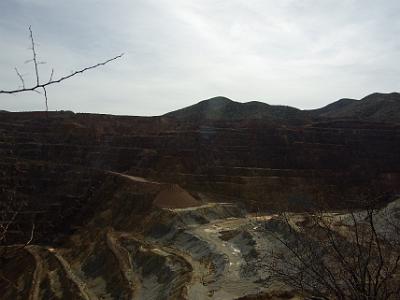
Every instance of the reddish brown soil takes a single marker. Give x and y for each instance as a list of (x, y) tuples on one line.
[(175, 197)]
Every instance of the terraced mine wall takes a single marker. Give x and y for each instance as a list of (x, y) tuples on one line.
[(162, 208), (262, 164), (153, 208)]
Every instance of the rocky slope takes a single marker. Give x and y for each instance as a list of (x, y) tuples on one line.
[(131, 248)]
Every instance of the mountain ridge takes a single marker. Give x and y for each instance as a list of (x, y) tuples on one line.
[(381, 107)]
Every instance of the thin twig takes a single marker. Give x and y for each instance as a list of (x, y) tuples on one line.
[(34, 59), (51, 75), (20, 77)]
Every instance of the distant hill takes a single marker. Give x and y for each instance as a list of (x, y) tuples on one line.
[(376, 107), (221, 108), (341, 104)]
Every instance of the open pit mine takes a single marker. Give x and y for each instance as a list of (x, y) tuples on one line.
[(186, 205)]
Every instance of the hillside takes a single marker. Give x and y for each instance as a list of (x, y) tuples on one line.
[(224, 109), (375, 107)]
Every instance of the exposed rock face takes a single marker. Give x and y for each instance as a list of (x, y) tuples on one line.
[(121, 205), (126, 251)]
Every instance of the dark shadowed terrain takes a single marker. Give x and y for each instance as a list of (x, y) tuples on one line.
[(150, 207)]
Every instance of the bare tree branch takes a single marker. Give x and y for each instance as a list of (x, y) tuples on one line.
[(50, 82), (43, 85)]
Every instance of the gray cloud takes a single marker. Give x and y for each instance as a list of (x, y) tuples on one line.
[(304, 53)]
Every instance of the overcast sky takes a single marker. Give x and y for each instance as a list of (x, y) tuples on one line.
[(303, 53)]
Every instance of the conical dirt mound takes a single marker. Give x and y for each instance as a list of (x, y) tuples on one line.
[(175, 197)]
